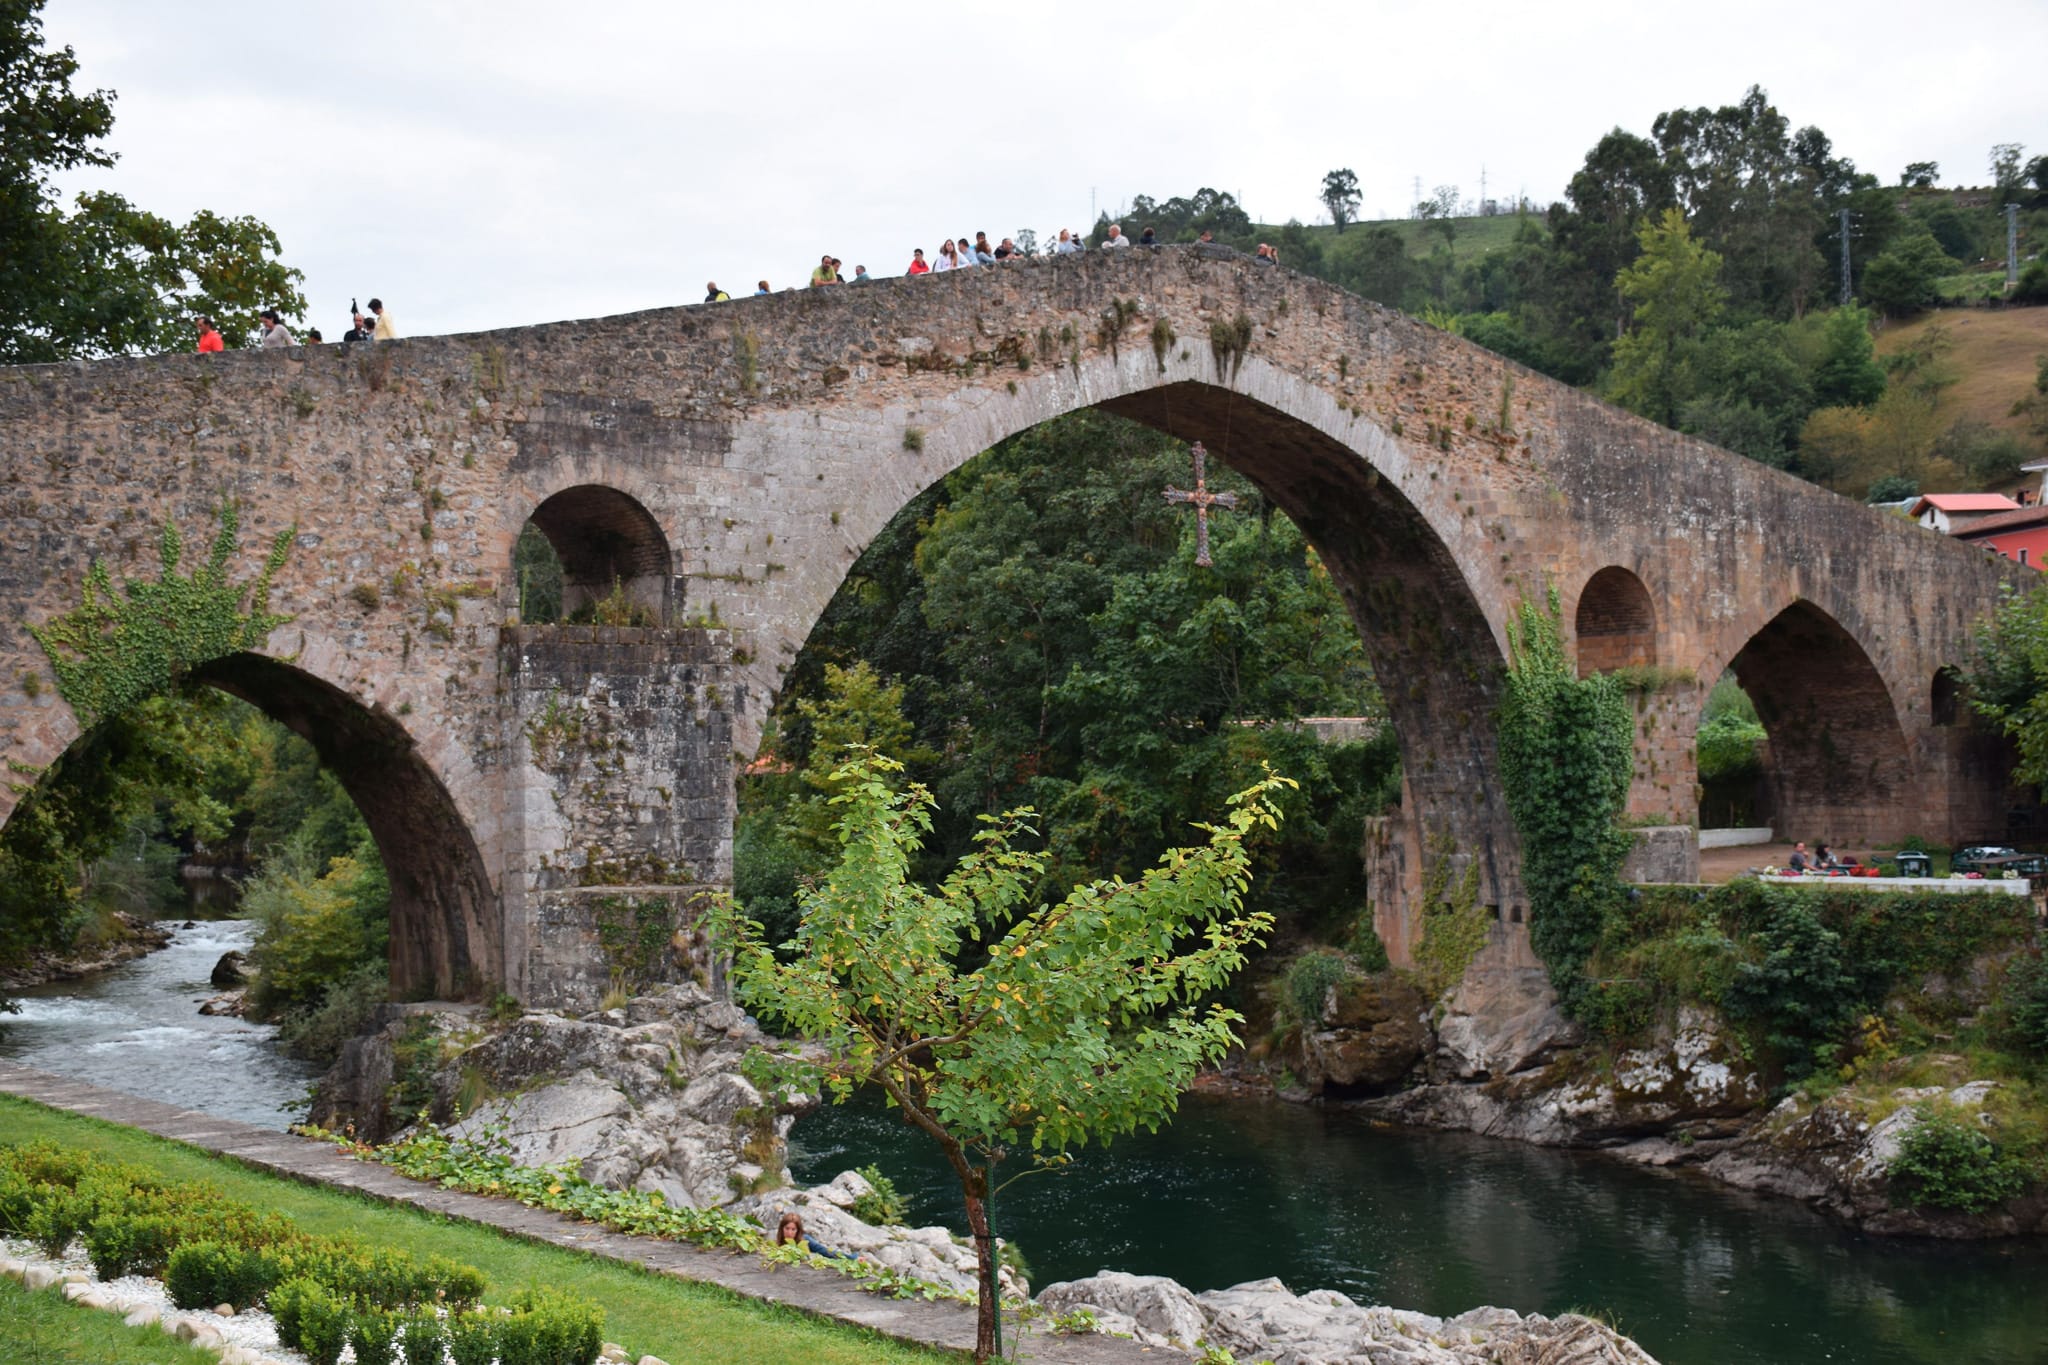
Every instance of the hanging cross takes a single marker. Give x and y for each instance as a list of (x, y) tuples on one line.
[(1203, 500)]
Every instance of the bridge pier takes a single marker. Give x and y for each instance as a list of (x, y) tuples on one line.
[(619, 779)]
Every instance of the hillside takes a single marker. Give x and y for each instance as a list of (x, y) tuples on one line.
[(1470, 237), (1991, 351)]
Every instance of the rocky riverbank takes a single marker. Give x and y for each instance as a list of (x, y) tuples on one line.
[(126, 938), (1502, 1061)]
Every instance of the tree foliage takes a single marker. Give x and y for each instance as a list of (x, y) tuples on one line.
[(106, 277), (2007, 679), (993, 1023), (1340, 196), (1674, 291)]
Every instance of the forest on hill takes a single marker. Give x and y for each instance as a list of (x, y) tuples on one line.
[(1693, 275)]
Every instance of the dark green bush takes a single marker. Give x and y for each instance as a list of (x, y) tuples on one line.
[(324, 1323), (473, 1338), (131, 1244), (425, 1338), (2026, 1002), (373, 1333), (457, 1285), (1367, 947), (56, 1220), (547, 1328), (1308, 983), (202, 1274), (1804, 993), (1945, 1163)]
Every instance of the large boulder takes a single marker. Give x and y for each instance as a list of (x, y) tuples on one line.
[(1264, 1320), (1499, 1021), (646, 1096), (1371, 1035), (230, 971)]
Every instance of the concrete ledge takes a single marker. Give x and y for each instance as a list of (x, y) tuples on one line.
[(947, 1326), (1736, 838), (1955, 885)]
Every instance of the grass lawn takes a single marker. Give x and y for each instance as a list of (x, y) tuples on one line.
[(46, 1329), (646, 1313)]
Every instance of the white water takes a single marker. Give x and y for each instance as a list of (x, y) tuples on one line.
[(137, 1029)]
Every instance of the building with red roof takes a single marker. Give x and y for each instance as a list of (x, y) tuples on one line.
[(2020, 536), (1950, 512)]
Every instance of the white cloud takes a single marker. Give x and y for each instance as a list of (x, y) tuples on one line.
[(484, 165)]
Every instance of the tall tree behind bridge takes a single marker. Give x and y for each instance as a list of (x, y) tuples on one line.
[(107, 277), (1341, 197)]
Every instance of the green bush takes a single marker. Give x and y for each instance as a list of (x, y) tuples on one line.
[(55, 1221), (1367, 947), (2026, 1002), (883, 1204), (1804, 993), (1308, 982), (472, 1339), (202, 1274), (324, 1323), (425, 1338), (131, 1244), (287, 1305), (457, 1285), (547, 1328), (1945, 1163), (373, 1335)]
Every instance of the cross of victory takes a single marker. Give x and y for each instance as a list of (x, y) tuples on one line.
[(1203, 500)]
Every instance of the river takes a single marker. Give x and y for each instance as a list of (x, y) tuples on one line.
[(137, 1029), (1239, 1190)]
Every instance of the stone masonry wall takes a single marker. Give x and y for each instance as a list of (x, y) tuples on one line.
[(770, 439)]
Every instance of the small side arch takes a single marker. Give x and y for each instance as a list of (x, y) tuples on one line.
[(1943, 698), (1616, 623), (606, 539), (1839, 767)]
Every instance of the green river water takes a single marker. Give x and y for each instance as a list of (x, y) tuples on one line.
[(1238, 1190)]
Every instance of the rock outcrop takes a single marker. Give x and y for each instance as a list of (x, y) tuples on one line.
[(1371, 1034), (1836, 1155), (931, 1254), (231, 971), (131, 938), (1264, 1320), (646, 1096)]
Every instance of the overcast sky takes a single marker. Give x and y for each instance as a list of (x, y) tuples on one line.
[(488, 164)]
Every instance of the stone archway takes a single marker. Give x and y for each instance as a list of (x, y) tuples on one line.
[(607, 540), (1616, 623), (1839, 769), (445, 929)]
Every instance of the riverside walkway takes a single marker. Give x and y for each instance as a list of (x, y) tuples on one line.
[(946, 1325)]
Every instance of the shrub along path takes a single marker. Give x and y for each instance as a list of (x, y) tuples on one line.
[(820, 1293)]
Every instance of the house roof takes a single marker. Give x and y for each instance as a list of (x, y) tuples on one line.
[(1964, 502), (2004, 521)]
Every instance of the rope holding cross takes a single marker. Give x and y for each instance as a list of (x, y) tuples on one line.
[(1203, 500)]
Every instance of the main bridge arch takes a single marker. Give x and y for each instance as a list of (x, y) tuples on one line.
[(769, 439)]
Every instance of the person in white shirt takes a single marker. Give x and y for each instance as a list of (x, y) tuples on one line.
[(1116, 238), (1067, 245), (949, 259)]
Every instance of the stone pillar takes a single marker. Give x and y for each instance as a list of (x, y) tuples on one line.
[(620, 782)]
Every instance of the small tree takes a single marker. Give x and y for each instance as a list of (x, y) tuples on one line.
[(1341, 197), (991, 1022)]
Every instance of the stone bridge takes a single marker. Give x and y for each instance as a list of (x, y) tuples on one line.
[(532, 788)]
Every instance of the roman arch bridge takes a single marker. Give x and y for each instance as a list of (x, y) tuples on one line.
[(727, 463)]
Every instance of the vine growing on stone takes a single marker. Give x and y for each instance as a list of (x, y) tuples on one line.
[(115, 649), (1566, 754)]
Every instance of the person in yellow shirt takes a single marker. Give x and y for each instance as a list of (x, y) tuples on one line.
[(385, 330)]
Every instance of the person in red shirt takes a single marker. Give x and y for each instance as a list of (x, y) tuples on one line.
[(209, 339), (917, 263)]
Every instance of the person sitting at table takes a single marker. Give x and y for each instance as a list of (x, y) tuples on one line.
[(1800, 861)]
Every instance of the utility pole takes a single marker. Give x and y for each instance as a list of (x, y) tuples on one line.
[(2012, 247), (1845, 256), (1482, 189), (1415, 204), (1091, 208)]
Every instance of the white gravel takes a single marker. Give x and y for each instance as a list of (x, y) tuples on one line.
[(253, 1329)]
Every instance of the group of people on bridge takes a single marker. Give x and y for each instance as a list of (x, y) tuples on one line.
[(963, 254), (374, 326)]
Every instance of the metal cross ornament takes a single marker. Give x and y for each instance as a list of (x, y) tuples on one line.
[(1203, 500)]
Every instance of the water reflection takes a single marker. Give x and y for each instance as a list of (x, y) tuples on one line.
[(1445, 1222)]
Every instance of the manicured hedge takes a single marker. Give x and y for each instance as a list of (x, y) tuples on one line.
[(325, 1292)]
